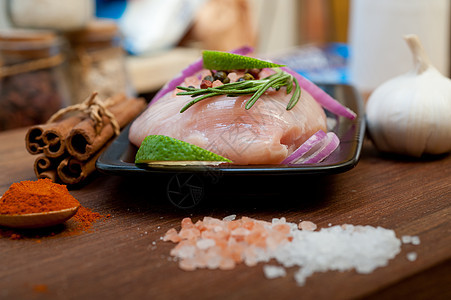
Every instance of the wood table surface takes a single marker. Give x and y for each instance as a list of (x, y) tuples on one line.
[(123, 257)]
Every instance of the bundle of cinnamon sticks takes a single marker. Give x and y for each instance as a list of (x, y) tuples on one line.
[(69, 147)]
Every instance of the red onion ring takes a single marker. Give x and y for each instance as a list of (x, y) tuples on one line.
[(308, 145), (317, 148), (323, 98), (330, 143)]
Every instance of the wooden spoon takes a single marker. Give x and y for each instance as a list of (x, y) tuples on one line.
[(38, 220)]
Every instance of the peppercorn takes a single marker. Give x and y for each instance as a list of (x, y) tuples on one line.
[(246, 76), (209, 78), (205, 84), (220, 75)]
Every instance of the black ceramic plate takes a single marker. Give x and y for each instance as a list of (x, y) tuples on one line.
[(118, 159)]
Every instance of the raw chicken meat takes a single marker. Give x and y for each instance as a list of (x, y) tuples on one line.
[(265, 134)]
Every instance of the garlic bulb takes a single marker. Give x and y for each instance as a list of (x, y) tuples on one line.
[(411, 114)]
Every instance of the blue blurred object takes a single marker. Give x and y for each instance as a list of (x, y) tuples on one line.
[(110, 9), (321, 64)]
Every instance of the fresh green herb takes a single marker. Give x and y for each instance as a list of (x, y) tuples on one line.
[(246, 87)]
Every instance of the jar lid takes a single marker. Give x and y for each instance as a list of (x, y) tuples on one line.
[(28, 43), (95, 31), (23, 35)]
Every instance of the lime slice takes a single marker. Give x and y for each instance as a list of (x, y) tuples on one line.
[(163, 148), (217, 60)]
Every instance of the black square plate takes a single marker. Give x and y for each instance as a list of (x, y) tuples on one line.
[(118, 159)]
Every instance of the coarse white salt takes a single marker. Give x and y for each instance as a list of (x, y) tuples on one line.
[(406, 239), (415, 240), (229, 218), (341, 248), (412, 256), (409, 239), (272, 272)]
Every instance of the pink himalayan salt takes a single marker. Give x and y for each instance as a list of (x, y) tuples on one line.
[(217, 83), (307, 225), (172, 236), (214, 243)]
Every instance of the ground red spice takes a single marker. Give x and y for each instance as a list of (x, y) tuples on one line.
[(30, 196), (85, 218), (43, 195)]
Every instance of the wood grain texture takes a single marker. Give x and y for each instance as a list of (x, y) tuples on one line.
[(124, 258)]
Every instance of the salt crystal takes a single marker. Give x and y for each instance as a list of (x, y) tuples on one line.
[(227, 264), (307, 225), (187, 265), (229, 218), (213, 261), (203, 244), (408, 239), (412, 256), (217, 228), (272, 272), (278, 221), (239, 232), (186, 251)]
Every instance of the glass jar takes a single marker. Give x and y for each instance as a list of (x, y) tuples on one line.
[(32, 86), (97, 62)]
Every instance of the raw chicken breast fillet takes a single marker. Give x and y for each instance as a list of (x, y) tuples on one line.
[(265, 134)]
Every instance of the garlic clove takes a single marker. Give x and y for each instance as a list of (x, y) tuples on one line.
[(411, 114)]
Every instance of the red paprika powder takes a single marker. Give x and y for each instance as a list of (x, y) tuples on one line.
[(43, 195)]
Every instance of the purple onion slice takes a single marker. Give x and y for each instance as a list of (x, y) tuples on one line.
[(307, 146)]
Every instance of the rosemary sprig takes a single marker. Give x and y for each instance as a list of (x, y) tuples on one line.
[(256, 88)]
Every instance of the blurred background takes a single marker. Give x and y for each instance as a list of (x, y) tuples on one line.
[(136, 46)]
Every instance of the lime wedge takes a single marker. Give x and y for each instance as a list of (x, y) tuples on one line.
[(217, 60), (164, 148)]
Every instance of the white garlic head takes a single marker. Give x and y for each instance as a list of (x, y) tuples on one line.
[(411, 114)]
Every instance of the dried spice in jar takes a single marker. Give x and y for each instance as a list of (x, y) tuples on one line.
[(32, 86), (97, 61)]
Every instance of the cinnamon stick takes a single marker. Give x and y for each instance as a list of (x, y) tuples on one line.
[(45, 167), (50, 174), (84, 136), (83, 141), (49, 138), (33, 140), (54, 137), (73, 171)]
